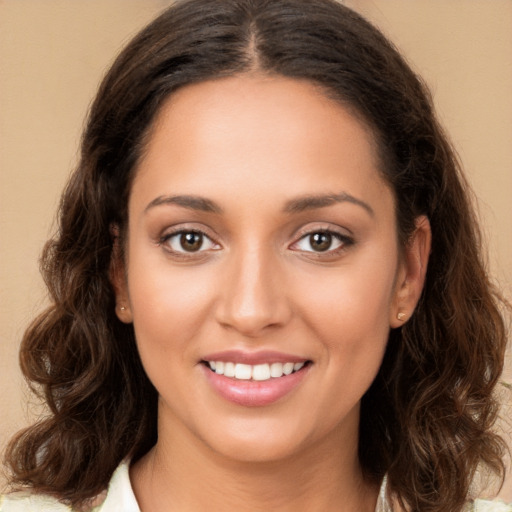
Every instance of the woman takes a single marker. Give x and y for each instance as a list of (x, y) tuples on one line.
[(266, 279)]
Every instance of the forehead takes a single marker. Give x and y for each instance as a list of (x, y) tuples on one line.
[(261, 135), (257, 101)]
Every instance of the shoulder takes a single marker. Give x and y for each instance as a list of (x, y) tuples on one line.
[(491, 506), (118, 498), (28, 502), (478, 505)]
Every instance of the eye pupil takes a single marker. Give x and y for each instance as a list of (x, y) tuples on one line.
[(191, 242), (320, 241)]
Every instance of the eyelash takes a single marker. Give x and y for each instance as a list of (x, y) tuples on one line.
[(344, 243), (165, 241)]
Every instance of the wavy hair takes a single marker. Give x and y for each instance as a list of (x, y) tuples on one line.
[(426, 420)]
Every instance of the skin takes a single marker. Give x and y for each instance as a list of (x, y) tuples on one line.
[(255, 146)]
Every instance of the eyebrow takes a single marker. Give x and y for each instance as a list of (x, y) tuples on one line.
[(298, 205), (321, 201), (186, 201)]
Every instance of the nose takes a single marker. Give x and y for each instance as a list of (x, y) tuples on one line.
[(254, 296)]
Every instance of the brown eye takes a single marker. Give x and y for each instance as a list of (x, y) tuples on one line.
[(320, 242), (191, 241), (188, 242)]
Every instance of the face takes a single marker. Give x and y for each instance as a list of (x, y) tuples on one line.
[(262, 269)]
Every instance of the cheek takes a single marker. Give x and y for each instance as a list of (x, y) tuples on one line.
[(349, 312), (352, 298), (169, 303)]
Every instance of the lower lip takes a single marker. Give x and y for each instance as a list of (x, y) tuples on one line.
[(253, 393)]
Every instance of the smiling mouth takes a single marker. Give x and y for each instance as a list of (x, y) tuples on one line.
[(257, 372)]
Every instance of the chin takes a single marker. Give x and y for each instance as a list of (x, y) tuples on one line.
[(257, 451), (268, 441)]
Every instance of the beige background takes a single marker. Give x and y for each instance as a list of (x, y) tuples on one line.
[(53, 53)]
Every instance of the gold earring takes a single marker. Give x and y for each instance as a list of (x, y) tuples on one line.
[(401, 316)]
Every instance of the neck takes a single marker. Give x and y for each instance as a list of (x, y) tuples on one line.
[(181, 473)]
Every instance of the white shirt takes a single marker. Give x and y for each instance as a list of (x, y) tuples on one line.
[(119, 498)]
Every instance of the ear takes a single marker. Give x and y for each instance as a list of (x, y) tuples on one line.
[(117, 275), (411, 273)]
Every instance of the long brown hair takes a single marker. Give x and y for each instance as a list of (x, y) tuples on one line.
[(426, 420)]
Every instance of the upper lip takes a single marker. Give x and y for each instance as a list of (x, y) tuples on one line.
[(253, 358)]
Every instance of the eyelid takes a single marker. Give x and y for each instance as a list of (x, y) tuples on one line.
[(323, 227), (179, 229), (340, 234)]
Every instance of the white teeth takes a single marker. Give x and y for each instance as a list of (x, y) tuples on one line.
[(276, 370), (255, 372), (261, 372), (243, 371), (287, 368), (229, 369)]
